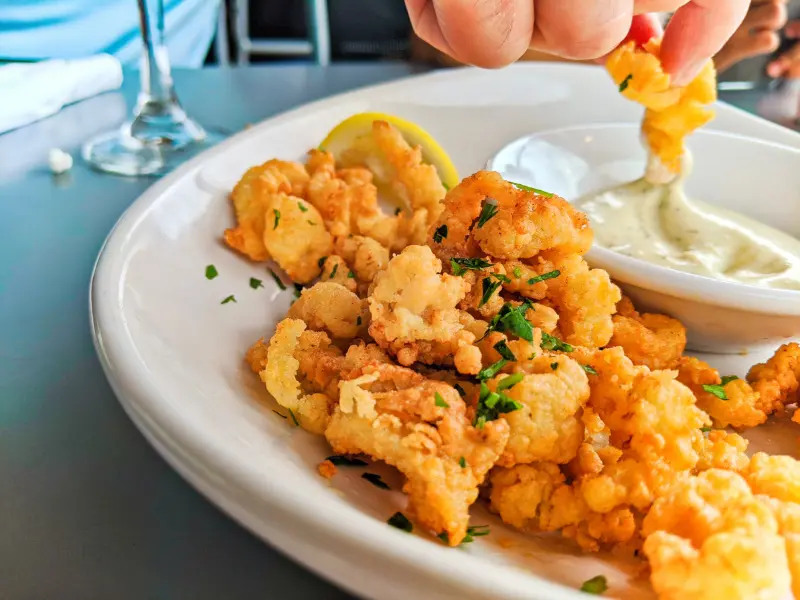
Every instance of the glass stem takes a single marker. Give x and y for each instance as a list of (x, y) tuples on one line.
[(156, 77)]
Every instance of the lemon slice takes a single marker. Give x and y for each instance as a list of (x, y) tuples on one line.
[(355, 132)]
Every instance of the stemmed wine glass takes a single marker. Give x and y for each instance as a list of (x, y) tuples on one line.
[(161, 134)]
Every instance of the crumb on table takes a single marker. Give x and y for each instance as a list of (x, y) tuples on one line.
[(327, 469)]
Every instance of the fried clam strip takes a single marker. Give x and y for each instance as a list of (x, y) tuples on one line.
[(552, 392), (585, 299), (366, 257), (656, 341), (739, 408), (421, 427), (336, 270), (723, 450), (328, 306), (251, 200), (777, 380), (709, 537), (414, 314)]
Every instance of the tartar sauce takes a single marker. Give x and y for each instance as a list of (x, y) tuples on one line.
[(658, 223)]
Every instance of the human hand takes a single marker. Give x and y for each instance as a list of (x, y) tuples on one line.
[(758, 33), (788, 64), (495, 33)]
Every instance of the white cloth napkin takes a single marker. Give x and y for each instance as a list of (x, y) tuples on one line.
[(33, 91)]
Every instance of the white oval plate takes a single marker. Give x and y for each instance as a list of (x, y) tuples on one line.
[(173, 353)]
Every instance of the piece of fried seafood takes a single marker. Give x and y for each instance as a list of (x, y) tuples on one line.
[(423, 428), (787, 514), (328, 306), (366, 256), (656, 341), (777, 381), (414, 314), (251, 199), (551, 391), (709, 537), (336, 270), (486, 214), (721, 449), (730, 403)]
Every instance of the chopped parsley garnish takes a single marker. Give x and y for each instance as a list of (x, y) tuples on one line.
[(492, 370), (277, 214), (501, 277), (439, 401), (596, 585), (462, 265), (298, 289), (310, 222), (492, 404), (256, 283), (589, 369), (445, 186), (538, 278), (512, 319), (718, 390), (400, 521), (487, 212), (321, 261), (517, 272), (211, 272), (397, 212), (504, 351), (472, 532), (528, 188), (554, 366), (341, 460), (351, 275), (460, 390), (624, 84), (279, 414), (333, 271), (302, 207), (489, 288), (705, 429), (375, 480), (277, 279), (509, 382), (294, 418), (358, 321), (551, 342), (440, 234), (462, 462), (230, 298)]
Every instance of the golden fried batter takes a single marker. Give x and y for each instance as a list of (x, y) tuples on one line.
[(656, 341), (366, 256), (328, 306), (777, 380)]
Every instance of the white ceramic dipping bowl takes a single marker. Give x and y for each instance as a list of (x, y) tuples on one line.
[(753, 177)]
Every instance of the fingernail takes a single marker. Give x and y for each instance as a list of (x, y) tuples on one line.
[(687, 73)]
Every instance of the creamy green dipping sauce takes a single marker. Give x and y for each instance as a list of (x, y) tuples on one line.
[(658, 223)]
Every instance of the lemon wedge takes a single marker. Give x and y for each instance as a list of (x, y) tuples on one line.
[(355, 133)]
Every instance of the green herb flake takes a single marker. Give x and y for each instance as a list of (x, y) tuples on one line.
[(492, 370), (279, 414), (492, 404), (351, 275), (277, 214), (462, 462), (302, 207), (400, 521), (716, 390), (333, 271), (596, 585), (501, 277), (311, 223), (705, 429), (444, 537), (230, 298), (341, 460), (527, 188), (445, 186), (294, 418), (487, 212), (728, 378), (321, 261), (375, 480), (517, 272), (545, 276), (625, 82), (554, 366), (440, 234), (211, 272), (298, 289), (460, 390), (509, 382), (397, 211), (504, 351), (439, 401), (589, 369), (489, 288), (474, 531), (551, 342), (277, 279), (256, 283), (462, 265), (512, 319)]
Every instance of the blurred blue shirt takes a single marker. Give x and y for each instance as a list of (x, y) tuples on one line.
[(40, 29)]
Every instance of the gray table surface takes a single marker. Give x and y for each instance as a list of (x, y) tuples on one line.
[(87, 509)]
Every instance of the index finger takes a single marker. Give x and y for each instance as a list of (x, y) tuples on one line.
[(696, 32)]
